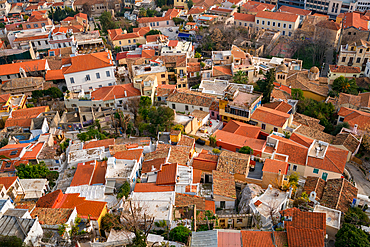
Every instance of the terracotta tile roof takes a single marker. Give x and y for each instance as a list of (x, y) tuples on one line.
[(315, 184), (297, 153), (349, 99), (353, 19), (232, 162), (339, 194), (270, 116), (115, 92), (178, 154), (353, 117), (172, 43), (305, 141), (306, 220), (148, 53), (210, 205), (238, 140), (148, 165), (279, 106), (193, 67), (222, 70), (13, 68), (167, 175), (118, 34), (50, 200), (83, 174), (31, 38), (155, 37), (275, 166), (82, 15), (300, 80), (9, 166), (241, 128), (205, 162), (307, 121), (89, 62), (196, 10), (244, 17), (277, 16), (293, 10), (85, 208), (7, 181), (186, 141), (283, 88), (253, 6), (165, 90), (214, 106), (365, 99), (174, 60), (223, 184), (133, 154), (30, 205), (305, 237), (277, 93), (33, 152), (99, 143), (314, 134), (197, 176), (153, 19), (257, 239), (190, 99), (29, 112), (344, 69), (52, 216), (183, 200), (60, 30), (52, 75), (99, 173), (152, 187), (348, 140)]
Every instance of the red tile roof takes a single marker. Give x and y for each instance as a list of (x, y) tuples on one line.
[(50, 200), (8, 153), (344, 69), (152, 187), (270, 116), (99, 173), (305, 220), (33, 152), (275, 166), (148, 165), (297, 153), (13, 68), (293, 10), (173, 43), (277, 16), (133, 154), (305, 141), (229, 238), (89, 62), (9, 166), (167, 175), (238, 140), (7, 181), (257, 239), (205, 162), (197, 175), (83, 174), (334, 161), (353, 117), (53, 75), (99, 143), (115, 92), (29, 112), (305, 237), (279, 106), (243, 129), (353, 19), (244, 17), (223, 184)]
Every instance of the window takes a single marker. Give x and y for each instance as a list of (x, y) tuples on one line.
[(290, 26), (289, 167), (39, 42), (107, 73), (120, 42), (275, 129), (263, 22), (201, 109), (186, 108), (222, 204), (316, 171), (97, 75), (43, 24), (290, 33), (100, 85), (134, 41), (157, 23), (360, 50), (28, 26), (240, 23), (239, 221), (8, 164), (341, 119), (258, 21), (343, 59), (72, 80), (173, 106), (168, 23), (212, 114), (263, 126), (268, 23), (283, 32), (36, 25), (294, 167), (90, 88), (88, 78), (129, 41), (109, 84), (284, 25), (273, 24), (278, 24), (52, 53), (358, 60)]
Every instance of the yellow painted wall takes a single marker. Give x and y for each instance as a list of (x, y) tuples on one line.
[(125, 42), (103, 213), (331, 175)]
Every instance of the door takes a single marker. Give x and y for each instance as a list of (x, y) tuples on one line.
[(324, 176)]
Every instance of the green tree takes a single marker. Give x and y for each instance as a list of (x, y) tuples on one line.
[(25, 17), (266, 85), (351, 236), (153, 32), (180, 234), (37, 171), (297, 94), (240, 77), (356, 216), (190, 4), (212, 140), (11, 241), (54, 92), (339, 127), (37, 94), (107, 22), (4, 142), (246, 150), (197, 55), (344, 85), (124, 190), (142, 12), (177, 20), (161, 119), (110, 221)]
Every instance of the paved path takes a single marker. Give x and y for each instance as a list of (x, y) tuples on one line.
[(361, 183)]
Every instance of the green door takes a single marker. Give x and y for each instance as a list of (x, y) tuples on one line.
[(324, 176)]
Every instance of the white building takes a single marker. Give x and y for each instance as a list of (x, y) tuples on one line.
[(24, 39), (284, 22), (187, 102), (62, 37), (90, 71), (34, 188), (4, 7), (5, 205), (178, 47)]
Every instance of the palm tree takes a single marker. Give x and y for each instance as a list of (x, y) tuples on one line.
[(240, 77)]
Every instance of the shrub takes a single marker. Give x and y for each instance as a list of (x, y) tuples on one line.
[(124, 190), (216, 151), (180, 234)]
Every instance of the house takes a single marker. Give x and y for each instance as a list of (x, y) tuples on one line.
[(355, 118), (196, 11), (355, 27), (355, 54), (284, 22), (330, 30), (57, 199), (163, 91), (4, 8), (238, 104), (25, 85), (234, 163), (78, 19), (116, 96), (236, 135), (123, 39), (253, 7), (23, 117), (34, 188), (205, 162), (302, 13), (89, 71), (5, 204), (38, 39), (23, 69), (9, 103), (62, 37), (176, 47), (165, 21), (147, 76), (97, 6), (50, 219), (244, 20), (274, 173), (334, 193), (269, 204), (177, 69), (272, 120), (223, 12), (345, 71), (28, 230), (188, 102), (232, 3), (223, 190)]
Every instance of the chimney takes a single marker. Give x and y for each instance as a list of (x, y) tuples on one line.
[(355, 129)]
